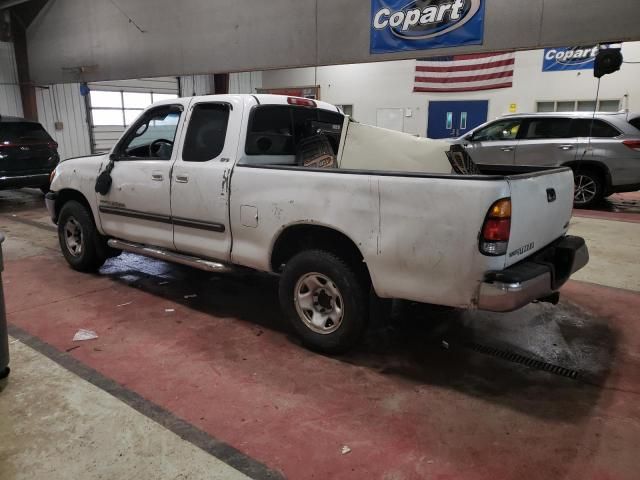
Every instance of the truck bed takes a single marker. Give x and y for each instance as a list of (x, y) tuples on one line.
[(418, 232)]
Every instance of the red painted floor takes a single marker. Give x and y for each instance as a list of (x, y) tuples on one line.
[(406, 406)]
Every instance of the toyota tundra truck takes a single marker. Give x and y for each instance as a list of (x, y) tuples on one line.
[(337, 209)]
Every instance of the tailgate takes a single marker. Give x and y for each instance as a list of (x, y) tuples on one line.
[(542, 203)]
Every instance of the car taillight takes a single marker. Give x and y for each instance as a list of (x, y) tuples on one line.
[(52, 145), (632, 144), (301, 102), (494, 236)]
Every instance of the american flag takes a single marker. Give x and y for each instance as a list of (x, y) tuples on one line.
[(465, 73)]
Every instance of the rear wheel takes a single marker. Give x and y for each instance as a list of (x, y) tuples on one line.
[(79, 238), (588, 190), (324, 300)]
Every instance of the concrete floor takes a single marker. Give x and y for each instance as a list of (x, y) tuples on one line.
[(212, 386), (56, 425)]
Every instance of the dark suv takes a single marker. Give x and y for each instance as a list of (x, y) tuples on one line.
[(28, 154)]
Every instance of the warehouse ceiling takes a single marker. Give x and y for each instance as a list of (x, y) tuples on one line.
[(74, 40)]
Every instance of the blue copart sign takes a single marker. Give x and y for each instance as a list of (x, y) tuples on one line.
[(569, 58), (405, 25)]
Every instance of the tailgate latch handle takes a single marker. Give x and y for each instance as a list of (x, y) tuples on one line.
[(551, 195)]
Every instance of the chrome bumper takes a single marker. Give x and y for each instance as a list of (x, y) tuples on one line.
[(540, 277), (50, 202)]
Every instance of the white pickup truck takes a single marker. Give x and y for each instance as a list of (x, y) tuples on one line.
[(337, 209)]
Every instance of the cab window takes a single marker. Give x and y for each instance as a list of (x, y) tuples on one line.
[(206, 133), (152, 136), (277, 130), (501, 130)]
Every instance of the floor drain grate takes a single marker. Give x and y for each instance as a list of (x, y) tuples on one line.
[(529, 362)]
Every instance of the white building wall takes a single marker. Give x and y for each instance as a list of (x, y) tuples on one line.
[(10, 99), (372, 86)]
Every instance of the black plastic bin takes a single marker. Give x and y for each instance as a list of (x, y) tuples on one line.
[(4, 336)]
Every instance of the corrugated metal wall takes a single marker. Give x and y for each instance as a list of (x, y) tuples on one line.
[(245, 82), (10, 100), (64, 105), (192, 85)]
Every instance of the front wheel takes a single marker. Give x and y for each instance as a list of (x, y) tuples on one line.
[(324, 300), (78, 238), (588, 191)]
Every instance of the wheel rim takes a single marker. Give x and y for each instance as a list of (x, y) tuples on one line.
[(319, 303), (585, 189), (73, 236)]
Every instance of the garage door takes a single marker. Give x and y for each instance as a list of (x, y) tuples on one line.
[(115, 105)]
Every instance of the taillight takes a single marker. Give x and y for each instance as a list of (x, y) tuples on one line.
[(494, 236), (53, 145), (301, 102), (632, 144)]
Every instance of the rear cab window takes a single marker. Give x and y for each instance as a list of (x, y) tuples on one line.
[(23, 132), (276, 131)]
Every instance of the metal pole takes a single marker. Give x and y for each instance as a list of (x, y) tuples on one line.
[(4, 336)]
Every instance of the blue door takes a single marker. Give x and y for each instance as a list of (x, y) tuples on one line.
[(454, 119)]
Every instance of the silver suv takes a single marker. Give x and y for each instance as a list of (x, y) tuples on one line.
[(607, 163)]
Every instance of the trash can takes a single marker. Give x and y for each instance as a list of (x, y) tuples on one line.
[(4, 336)]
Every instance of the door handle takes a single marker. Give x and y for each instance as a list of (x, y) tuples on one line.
[(566, 147), (157, 177), (507, 149), (182, 178)]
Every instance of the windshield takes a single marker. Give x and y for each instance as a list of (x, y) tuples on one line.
[(14, 132)]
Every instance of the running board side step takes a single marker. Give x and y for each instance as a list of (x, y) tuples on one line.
[(169, 256)]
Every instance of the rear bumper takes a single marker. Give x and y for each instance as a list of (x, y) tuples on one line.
[(19, 181), (535, 278)]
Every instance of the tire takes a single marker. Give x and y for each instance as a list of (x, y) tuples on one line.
[(319, 285), (79, 238), (589, 190)]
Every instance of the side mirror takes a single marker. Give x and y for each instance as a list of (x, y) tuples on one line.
[(468, 137)]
